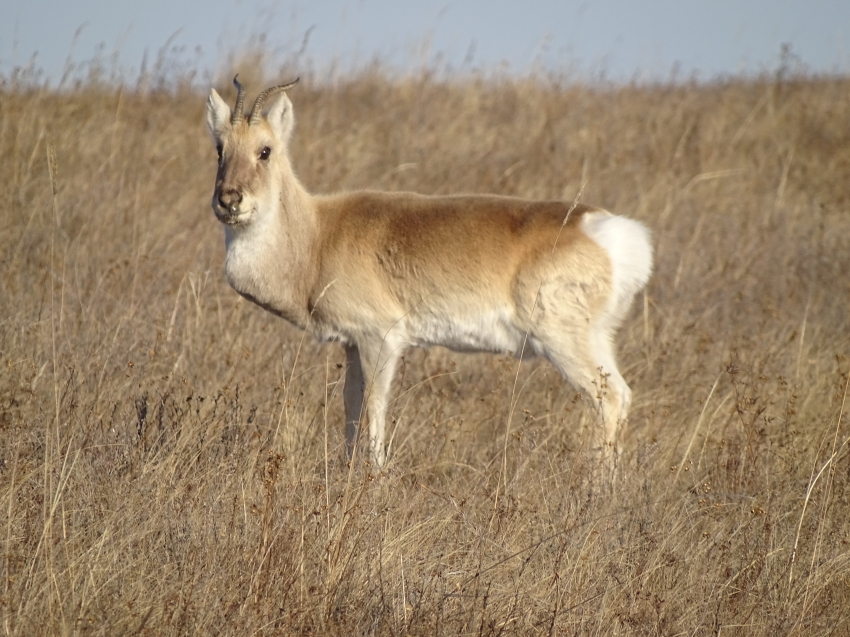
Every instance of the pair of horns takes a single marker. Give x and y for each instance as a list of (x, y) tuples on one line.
[(256, 111)]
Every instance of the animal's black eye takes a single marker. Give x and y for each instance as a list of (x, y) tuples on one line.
[(264, 154)]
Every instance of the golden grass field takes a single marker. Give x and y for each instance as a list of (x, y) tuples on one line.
[(172, 457)]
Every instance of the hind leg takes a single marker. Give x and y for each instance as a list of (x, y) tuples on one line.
[(584, 356), (618, 394)]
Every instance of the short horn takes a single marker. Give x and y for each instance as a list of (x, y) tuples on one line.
[(257, 109), (237, 116)]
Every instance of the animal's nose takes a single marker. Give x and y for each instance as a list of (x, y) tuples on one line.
[(230, 199)]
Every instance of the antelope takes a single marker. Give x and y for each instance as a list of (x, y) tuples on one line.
[(384, 271)]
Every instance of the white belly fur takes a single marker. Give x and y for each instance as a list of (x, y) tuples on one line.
[(491, 331)]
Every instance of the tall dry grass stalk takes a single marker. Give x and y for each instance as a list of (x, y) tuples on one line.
[(171, 457)]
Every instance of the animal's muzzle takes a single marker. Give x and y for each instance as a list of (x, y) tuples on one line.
[(230, 200)]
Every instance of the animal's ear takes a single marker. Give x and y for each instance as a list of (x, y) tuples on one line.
[(218, 114), (281, 117)]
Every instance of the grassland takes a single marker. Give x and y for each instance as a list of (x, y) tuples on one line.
[(171, 457)]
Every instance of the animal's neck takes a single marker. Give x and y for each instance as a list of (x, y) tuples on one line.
[(271, 260)]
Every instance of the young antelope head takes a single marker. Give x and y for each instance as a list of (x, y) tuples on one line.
[(252, 152)]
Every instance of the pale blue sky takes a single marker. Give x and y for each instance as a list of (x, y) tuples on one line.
[(625, 39)]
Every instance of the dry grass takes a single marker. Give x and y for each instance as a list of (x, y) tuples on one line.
[(171, 457)]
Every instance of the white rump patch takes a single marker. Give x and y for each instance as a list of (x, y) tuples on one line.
[(627, 243)]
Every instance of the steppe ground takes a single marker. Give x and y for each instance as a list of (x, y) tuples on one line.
[(171, 457)]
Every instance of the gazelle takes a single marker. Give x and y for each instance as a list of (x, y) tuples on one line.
[(383, 271)]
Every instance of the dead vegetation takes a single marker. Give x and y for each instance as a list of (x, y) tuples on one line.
[(171, 457)]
